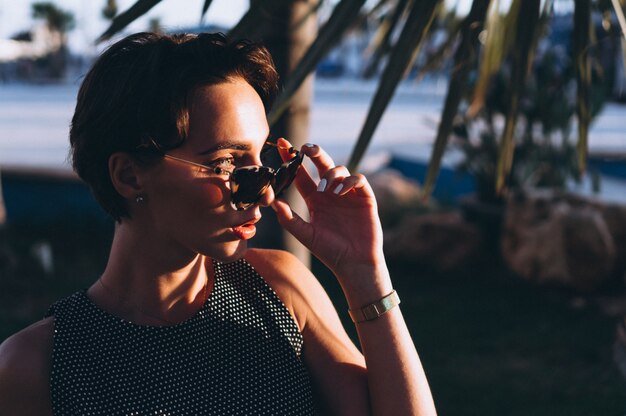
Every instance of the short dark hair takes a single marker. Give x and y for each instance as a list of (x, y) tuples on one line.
[(140, 90)]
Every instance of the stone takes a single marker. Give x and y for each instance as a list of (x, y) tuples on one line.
[(615, 218), (394, 193), (553, 237), (442, 241), (619, 347)]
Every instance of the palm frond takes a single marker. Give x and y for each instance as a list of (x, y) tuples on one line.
[(582, 41), (437, 58), (205, 8), (122, 20), (464, 58), (619, 12), (377, 7), (494, 52), (381, 43), (413, 32), (328, 36), (526, 26), (252, 23)]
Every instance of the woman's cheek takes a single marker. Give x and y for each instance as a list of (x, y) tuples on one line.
[(215, 196)]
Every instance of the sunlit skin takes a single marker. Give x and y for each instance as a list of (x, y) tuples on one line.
[(160, 270), (188, 208), (186, 212)]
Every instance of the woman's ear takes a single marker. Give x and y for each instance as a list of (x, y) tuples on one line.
[(124, 175)]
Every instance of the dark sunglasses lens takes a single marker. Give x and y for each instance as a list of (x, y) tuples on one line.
[(248, 184), (286, 174)]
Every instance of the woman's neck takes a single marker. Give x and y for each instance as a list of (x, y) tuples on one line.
[(150, 289)]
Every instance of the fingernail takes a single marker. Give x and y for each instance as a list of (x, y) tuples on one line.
[(338, 189), (309, 145), (322, 185)]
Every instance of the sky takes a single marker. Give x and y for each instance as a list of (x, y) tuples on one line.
[(15, 16)]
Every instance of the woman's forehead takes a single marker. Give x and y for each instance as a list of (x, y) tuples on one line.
[(227, 114)]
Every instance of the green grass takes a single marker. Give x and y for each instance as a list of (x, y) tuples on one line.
[(490, 343)]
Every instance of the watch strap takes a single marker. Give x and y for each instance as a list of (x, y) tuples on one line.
[(376, 309)]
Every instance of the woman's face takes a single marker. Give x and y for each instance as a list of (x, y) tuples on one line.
[(189, 207)]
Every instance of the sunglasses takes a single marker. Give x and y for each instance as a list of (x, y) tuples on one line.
[(249, 183)]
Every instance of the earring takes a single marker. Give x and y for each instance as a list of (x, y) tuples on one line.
[(139, 199)]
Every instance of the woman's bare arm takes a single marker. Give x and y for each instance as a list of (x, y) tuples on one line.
[(345, 233), (336, 366)]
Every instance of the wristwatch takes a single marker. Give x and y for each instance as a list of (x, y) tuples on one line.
[(374, 310)]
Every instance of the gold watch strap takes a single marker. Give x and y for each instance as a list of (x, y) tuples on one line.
[(374, 310)]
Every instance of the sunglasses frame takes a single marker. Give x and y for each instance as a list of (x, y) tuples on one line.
[(235, 186)]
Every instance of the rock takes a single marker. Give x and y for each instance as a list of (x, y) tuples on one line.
[(394, 193), (615, 217), (619, 347), (443, 241), (551, 237)]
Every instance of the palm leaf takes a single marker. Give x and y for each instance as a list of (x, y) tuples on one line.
[(383, 38), (205, 7), (377, 7), (346, 11), (464, 58), (526, 26), (498, 29), (412, 34), (122, 20), (252, 22), (619, 12), (438, 58), (582, 34)]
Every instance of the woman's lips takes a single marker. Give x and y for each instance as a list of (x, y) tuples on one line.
[(246, 231)]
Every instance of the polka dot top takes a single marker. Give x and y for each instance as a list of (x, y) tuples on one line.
[(239, 355)]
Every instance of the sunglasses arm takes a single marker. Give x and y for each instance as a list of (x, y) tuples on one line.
[(218, 171)]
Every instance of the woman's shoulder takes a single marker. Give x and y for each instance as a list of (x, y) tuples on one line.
[(280, 269), (30, 348), (25, 360), (277, 263), (293, 282)]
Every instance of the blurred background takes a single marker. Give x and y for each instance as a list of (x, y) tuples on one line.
[(492, 132)]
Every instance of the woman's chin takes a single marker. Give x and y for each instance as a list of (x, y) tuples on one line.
[(230, 252)]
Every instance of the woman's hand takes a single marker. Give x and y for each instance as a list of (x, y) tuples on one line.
[(344, 231)]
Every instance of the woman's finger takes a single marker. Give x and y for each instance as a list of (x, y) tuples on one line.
[(335, 174), (355, 183), (304, 182), (322, 160), (348, 184), (292, 222)]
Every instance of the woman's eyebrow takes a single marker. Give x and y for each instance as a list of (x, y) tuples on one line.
[(225, 145)]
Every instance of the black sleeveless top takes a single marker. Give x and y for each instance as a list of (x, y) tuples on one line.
[(239, 355)]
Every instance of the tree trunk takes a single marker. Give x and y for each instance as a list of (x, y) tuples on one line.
[(290, 33)]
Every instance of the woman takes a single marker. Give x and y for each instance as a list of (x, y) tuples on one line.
[(186, 319)]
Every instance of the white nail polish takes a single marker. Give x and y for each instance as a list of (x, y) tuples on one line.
[(322, 185), (338, 188), (309, 145)]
